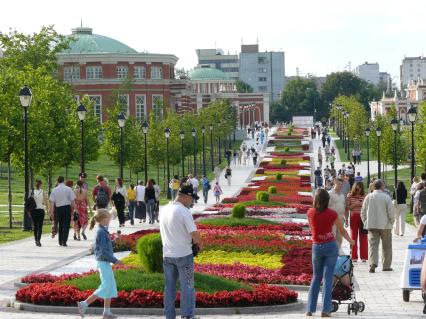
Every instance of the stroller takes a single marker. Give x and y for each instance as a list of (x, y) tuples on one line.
[(343, 288)]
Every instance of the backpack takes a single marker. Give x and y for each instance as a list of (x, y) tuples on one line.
[(31, 203), (102, 198)]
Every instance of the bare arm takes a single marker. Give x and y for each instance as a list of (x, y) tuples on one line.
[(420, 232), (196, 238), (343, 231), (423, 276)]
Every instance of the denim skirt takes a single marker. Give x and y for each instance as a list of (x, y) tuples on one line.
[(108, 287)]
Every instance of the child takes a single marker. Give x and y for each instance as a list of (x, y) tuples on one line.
[(104, 257), (217, 192)]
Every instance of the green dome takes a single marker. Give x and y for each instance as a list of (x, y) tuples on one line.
[(85, 42), (207, 74)]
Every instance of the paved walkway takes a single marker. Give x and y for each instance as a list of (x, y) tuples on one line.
[(379, 291)]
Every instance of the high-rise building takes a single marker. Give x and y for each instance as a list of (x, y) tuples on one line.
[(215, 58), (368, 72), (263, 71), (412, 68)]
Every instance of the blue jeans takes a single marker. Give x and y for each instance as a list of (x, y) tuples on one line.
[(182, 268), (150, 207), (174, 193), (132, 206), (324, 257), (205, 194)]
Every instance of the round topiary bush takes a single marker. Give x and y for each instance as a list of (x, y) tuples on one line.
[(279, 176), (238, 211), (283, 162), (150, 252), (262, 196), (272, 190), (287, 149)]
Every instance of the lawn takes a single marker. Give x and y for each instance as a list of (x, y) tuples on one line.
[(344, 156), (132, 279), (235, 222)]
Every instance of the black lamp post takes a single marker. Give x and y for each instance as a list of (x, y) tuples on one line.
[(394, 124), (81, 112), (378, 133), (412, 113), (211, 146), (347, 134), (121, 122), (25, 96), (218, 134), (343, 130), (194, 134), (339, 121), (367, 133), (167, 135), (182, 136), (203, 130), (145, 131)]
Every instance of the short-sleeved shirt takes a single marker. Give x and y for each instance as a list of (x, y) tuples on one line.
[(423, 220), (322, 225), (62, 195), (355, 199), (131, 194), (176, 226), (140, 193)]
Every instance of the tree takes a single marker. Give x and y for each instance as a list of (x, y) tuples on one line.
[(243, 87), (420, 135)]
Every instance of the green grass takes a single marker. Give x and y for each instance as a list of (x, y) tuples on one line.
[(235, 222), (132, 279), (344, 156), (260, 203), (409, 219)]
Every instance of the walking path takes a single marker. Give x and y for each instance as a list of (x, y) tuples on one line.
[(379, 291)]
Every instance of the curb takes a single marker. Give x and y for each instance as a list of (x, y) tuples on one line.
[(298, 305)]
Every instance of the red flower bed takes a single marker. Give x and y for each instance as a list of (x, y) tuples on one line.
[(297, 261), (128, 242), (57, 295)]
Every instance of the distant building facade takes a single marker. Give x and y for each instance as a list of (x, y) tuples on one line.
[(369, 72), (215, 58), (263, 71), (412, 69)]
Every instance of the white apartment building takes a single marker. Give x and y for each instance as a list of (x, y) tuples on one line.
[(368, 72), (215, 58), (412, 69)]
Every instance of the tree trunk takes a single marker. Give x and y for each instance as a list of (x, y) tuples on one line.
[(130, 175), (9, 187), (158, 173), (66, 172), (49, 181)]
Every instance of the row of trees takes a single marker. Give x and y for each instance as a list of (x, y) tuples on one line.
[(302, 97)]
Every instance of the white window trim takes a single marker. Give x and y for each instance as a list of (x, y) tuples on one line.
[(152, 102), (128, 102), (94, 66), (100, 106), (119, 75), (145, 117), (144, 72), (161, 72)]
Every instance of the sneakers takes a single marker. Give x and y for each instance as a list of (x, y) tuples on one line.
[(109, 316), (372, 269), (82, 307)]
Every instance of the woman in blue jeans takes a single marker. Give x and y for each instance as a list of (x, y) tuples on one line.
[(150, 200), (324, 251)]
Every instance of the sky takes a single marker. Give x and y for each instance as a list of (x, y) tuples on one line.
[(318, 37)]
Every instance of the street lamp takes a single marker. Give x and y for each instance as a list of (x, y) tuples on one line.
[(211, 146), (347, 133), (145, 131), (182, 136), (25, 96), (394, 124), (167, 135), (378, 133), (121, 122), (343, 130), (81, 112), (412, 113), (194, 134), (367, 133), (218, 134), (203, 130)]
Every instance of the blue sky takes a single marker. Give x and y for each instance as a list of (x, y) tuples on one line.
[(318, 37)]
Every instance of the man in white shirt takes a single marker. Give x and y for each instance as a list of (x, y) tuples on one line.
[(194, 182), (62, 203), (140, 202), (178, 233), (337, 203)]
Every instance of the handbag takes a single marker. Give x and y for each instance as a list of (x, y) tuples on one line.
[(195, 249)]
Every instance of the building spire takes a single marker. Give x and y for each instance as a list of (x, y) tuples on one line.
[(81, 22)]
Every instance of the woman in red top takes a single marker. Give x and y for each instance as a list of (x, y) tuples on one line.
[(355, 200), (324, 251)]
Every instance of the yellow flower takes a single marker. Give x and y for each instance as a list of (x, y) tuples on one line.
[(268, 261)]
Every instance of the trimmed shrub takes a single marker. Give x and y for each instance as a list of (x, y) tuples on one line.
[(262, 196), (283, 162), (150, 252), (279, 176), (238, 211), (272, 190), (289, 133), (287, 149)]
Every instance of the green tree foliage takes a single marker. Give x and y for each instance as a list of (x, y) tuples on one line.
[(420, 135), (243, 87), (348, 84)]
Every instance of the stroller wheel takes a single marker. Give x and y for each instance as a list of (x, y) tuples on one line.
[(355, 307), (349, 308), (406, 295), (335, 306), (361, 306)]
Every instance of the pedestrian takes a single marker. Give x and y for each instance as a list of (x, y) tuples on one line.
[(82, 177), (131, 197), (244, 156), (218, 171), (332, 159), (333, 150), (206, 187), (323, 139), (328, 140), (312, 133), (354, 158), (358, 177), (400, 204), (319, 157), (255, 155), (325, 251), (416, 205), (157, 199), (228, 155), (421, 200), (328, 185), (317, 174), (355, 200), (180, 239), (104, 258), (239, 157), (235, 157), (339, 205), (346, 185), (140, 202), (150, 201), (81, 221), (119, 198), (195, 183), (101, 193), (38, 213), (174, 185), (217, 190), (413, 187), (228, 175), (378, 217), (62, 199)]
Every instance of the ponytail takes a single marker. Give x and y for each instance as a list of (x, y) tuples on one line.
[(92, 223), (99, 215)]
